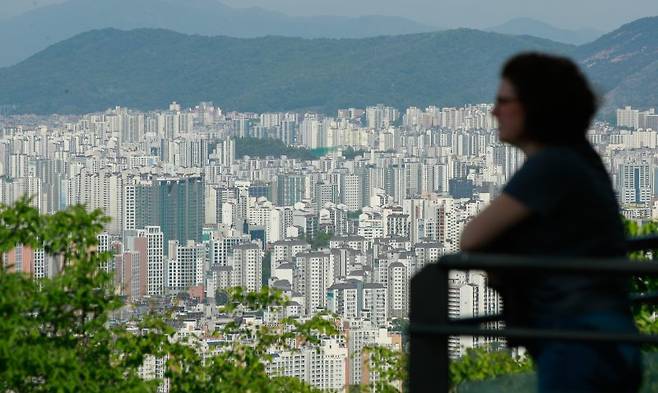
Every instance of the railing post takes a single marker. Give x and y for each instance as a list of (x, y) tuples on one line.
[(429, 361)]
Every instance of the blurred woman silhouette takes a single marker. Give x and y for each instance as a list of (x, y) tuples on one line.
[(560, 203)]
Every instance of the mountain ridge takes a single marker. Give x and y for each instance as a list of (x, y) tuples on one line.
[(147, 68), (618, 59), (35, 30), (537, 28), (110, 67)]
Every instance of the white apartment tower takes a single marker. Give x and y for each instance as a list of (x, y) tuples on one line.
[(247, 263), (324, 367), (628, 117), (360, 335), (398, 291), (312, 276), (104, 246), (283, 251), (129, 203), (469, 296), (351, 192), (221, 247), (345, 299), (634, 181), (155, 257), (328, 365), (375, 303), (185, 265)]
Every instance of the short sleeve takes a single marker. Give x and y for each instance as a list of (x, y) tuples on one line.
[(542, 182)]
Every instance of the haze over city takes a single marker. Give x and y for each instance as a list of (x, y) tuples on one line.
[(199, 196)]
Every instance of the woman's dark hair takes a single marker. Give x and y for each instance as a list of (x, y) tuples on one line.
[(556, 97)]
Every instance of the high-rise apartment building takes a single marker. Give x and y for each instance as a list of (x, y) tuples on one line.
[(284, 251), (634, 181), (325, 367), (398, 290), (104, 246), (381, 116), (132, 271), (469, 296), (247, 264), (351, 191), (176, 205), (313, 275), (353, 300), (185, 265), (360, 335), (345, 299), (628, 117), (155, 259), (325, 193), (221, 246), (375, 303), (288, 189)]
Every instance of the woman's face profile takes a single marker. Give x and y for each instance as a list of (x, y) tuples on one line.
[(509, 112)]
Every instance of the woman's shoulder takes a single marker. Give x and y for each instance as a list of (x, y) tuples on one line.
[(555, 168), (565, 160)]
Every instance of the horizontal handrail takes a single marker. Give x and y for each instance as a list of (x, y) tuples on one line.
[(538, 334), (635, 298), (477, 320), (499, 262), (430, 325), (642, 243), (644, 298)]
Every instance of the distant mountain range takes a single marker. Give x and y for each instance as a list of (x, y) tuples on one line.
[(147, 68), (533, 27), (28, 33), (624, 63)]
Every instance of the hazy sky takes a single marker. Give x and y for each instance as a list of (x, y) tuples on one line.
[(10, 8), (599, 14)]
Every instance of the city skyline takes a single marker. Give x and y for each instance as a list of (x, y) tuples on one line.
[(343, 232), (256, 188)]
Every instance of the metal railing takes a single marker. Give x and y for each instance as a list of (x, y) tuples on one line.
[(430, 327)]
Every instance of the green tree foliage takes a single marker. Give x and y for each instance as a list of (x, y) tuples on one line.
[(239, 364), (645, 317), (267, 267), (484, 363), (254, 147), (321, 240), (477, 364), (56, 334), (354, 215), (221, 297), (390, 368), (401, 325)]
